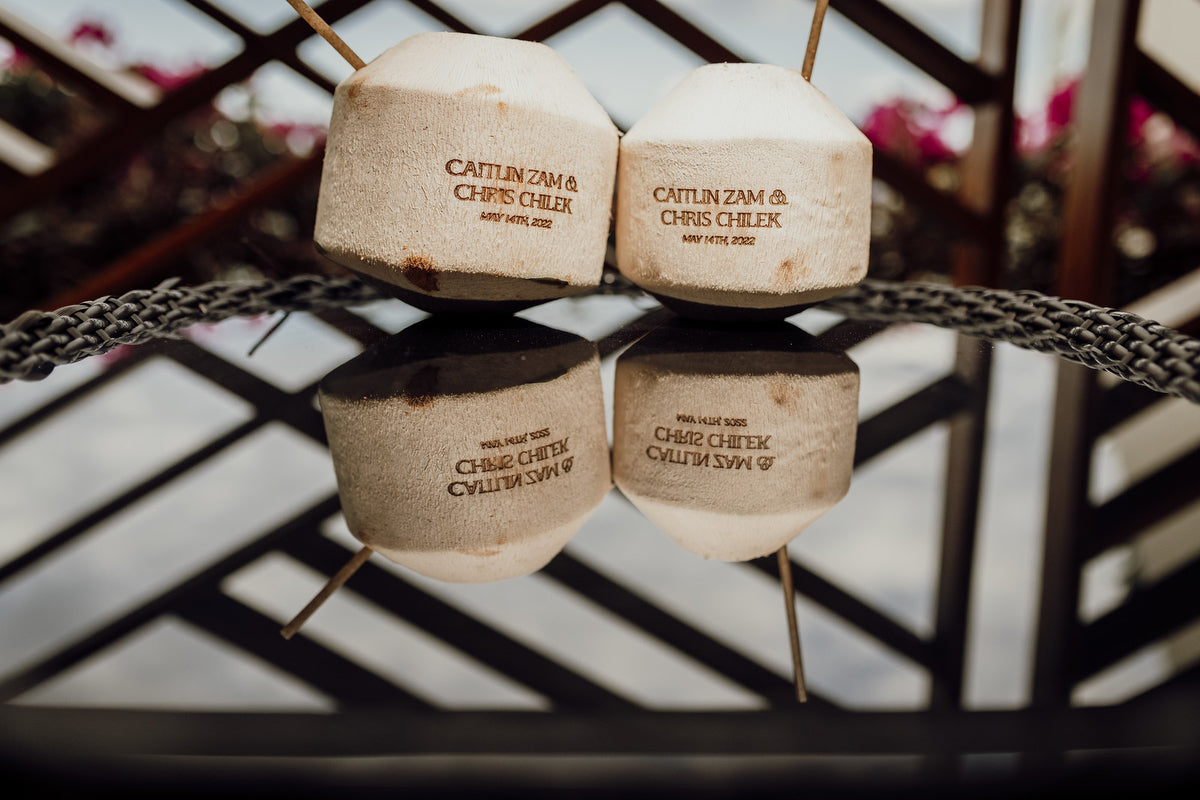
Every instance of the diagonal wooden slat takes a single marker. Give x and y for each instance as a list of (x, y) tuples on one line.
[(683, 31), (121, 91), (21, 154), (867, 619), (53, 543), (348, 683), (564, 688), (132, 129), (1148, 614), (159, 257), (1185, 683), (1122, 402), (253, 39), (113, 371), (636, 610), (1148, 502), (966, 80), (164, 603), (288, 407), (560, 20), (924, 407), (254, 390), (1166, 92), (440, 14)]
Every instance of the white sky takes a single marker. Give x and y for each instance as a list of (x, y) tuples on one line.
[(622, 59)]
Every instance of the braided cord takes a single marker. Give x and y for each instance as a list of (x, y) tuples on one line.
[(36, 342), (1118, 342), (1126, 345)]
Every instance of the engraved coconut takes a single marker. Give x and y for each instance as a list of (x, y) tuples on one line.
[(469, 453), (745, 187), (468, 171), (733, 441)]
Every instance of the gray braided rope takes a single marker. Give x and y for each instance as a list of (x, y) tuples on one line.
[(1132, 348), (1118, 342), (36, 342)]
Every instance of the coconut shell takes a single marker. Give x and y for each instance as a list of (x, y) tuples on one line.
[(746, 188), (469, 453), (468, 170), (731, 440)]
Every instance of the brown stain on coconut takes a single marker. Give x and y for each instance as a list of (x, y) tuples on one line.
[(418, 400), (791, 272), (782, 394), (422, 388), (493, 550), (839, 170), (482, 553), (479, 88), (354, 87), (420, 272)]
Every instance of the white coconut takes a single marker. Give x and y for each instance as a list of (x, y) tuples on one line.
[(472, 464), (467, 168), (733, 453), (744, 187)]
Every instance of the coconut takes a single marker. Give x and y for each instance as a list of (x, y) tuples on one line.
[(733, 440), (744, 188), (465, 172), (469, 452)]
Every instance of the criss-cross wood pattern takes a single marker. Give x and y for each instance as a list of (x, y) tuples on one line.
[(976, 214), (1078, 529)]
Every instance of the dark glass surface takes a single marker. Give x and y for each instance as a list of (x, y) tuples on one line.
[(143, 619)]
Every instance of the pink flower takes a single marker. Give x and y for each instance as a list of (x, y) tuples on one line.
[(932, 148), (92, 31), (169, 80), (1062, 104), (13, 59), (910, 130), (1139, 112)]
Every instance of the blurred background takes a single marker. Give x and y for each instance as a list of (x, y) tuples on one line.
[(1020, 534)]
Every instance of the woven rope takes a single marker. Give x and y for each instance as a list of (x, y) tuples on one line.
[(1126, 345), (1118, 342), (37, 341)]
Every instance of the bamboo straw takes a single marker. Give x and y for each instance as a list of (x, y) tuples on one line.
[(335, 583), (327, 33)]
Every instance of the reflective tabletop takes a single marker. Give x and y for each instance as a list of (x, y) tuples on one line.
[(167, 509)]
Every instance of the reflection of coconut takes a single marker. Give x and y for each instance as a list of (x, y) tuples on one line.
[(732, 440), (744, 187), (467, 169), (469, 453)]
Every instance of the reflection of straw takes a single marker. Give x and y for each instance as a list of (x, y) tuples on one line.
[(789, 599), (339, 577), (785, 563), (342, 575), (327, 33), (278, 324)]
